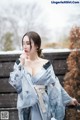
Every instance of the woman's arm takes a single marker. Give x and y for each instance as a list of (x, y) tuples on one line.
[(15, 76)]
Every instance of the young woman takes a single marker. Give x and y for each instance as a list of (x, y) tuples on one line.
[(40, 95)]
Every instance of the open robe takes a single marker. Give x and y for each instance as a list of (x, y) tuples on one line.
[(54, 97)]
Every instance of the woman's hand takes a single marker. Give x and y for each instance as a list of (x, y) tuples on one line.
[(23, 56), (74, 102)]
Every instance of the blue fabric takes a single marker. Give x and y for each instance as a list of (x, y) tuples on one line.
[(55, 97)]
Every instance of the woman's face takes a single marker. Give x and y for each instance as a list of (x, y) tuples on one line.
[(27, 47)]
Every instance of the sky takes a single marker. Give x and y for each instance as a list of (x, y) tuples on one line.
[(59, 17)]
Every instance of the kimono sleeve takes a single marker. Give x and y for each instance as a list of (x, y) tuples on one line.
[(65, 96), (15, 77)]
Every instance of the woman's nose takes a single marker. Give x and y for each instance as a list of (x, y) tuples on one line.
[(25, 46)]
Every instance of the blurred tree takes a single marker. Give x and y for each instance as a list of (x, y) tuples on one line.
[(51, 45), (10, 25), (72, 77), (65, 42), (75, 38), (20, 18), (7, 42)]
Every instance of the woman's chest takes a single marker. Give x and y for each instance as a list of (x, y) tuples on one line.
[(34, 68)]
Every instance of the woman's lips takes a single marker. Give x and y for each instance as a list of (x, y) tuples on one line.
[(26, 50)]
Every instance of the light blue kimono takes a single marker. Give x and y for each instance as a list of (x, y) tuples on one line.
[(52, 101)]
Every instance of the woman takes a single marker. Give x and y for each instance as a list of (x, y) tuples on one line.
[(40, 95)]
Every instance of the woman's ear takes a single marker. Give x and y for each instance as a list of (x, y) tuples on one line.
[(36, 47)]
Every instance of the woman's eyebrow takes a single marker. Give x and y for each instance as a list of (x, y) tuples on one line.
[(26, 41)]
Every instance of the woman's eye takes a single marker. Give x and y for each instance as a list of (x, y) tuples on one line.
[(28, 43)]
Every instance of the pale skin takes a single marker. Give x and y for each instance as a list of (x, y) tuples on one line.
[(32, 62)]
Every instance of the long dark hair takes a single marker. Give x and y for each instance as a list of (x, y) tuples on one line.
[(36, 39)]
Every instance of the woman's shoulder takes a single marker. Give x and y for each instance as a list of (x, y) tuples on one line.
[(46, 63), (17, 61)]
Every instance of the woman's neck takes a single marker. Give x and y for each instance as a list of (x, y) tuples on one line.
[(33, 57)]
